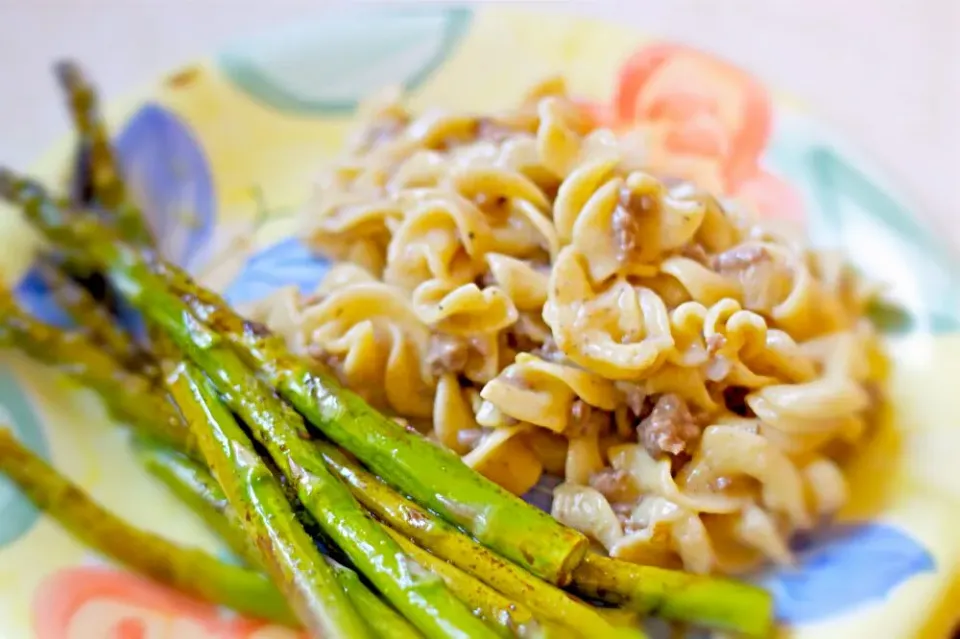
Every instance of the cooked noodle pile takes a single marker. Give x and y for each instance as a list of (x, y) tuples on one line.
[(520, 289)]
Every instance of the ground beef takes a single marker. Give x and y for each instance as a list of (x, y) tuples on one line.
[(472, 437), (615, 485), (670, 428), (625, 226), (735, 399), (739, 257), (447, 354), (520, 340), (697, 253), (584, 418), (493, 130), (715, 342), (635, 397), (549, 351)]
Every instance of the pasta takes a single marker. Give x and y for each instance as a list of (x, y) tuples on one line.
[(527, 292)]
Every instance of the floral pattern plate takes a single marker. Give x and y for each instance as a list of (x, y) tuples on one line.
[(221, 153)]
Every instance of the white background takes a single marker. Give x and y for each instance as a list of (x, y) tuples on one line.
[(885, 72)]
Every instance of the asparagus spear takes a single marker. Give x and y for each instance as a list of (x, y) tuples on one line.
[(189, 570), (193, 484), (422, 598), (385, 622), (686, 612), (88, 314), (708, 601), (109, 190), (673, 595), (200, 486), (508, 618), (127, 395), (445, 541), (287, 552), (433, 476)]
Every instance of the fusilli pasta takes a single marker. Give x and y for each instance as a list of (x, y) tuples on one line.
[(526, 291)]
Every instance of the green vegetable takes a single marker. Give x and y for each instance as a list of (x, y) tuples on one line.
[(431, 475), (674, 595), (107, 183), (446, 542), (679, 596), (420, 597), (193, 484), (507, 617), (188, 570), (128, 396), (89, 315), (285, 549), (382, 619)]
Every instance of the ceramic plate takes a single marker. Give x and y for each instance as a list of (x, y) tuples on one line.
[(222, 152)]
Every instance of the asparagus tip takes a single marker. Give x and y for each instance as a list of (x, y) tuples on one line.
[(8, 181), (68, 73)]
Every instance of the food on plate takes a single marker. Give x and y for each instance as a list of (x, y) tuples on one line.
[(520, 287), (513, 295)]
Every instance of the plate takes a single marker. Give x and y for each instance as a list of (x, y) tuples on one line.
[(221, 153)]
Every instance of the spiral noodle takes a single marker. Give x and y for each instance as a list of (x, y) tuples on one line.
[(522, 288)]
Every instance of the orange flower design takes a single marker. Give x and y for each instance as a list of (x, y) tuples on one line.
[(78, 603), (705, 120)]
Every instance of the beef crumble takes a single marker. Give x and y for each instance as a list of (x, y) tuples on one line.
[(669, 428)]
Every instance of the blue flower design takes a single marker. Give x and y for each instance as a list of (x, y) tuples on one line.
[(838, 569), (874, 225), (288, 262), (850, 206), (844, 567), (168, 176), (19, 515), (329, 65), (541, 495), (32, 294)]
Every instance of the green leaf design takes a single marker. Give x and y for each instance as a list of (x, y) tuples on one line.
[(19, 515), (885, 239), (328, 66), (889, 317)]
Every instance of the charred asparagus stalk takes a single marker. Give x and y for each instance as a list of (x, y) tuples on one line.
[(149, 413), (433, 476), (505, 523), (192, 483), (188, 570), (285, 549), (673, 595), (422, 598), (109, 191), (106, 182), (448, 543), (128, 396), (385, 622), (88, 314), (507, 617)]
